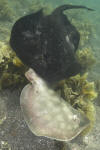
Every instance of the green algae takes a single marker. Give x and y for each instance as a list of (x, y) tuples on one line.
[(97, 85), (6, 13), (12, 69), (86, 58), (80, 93), (4, 145), (5, 52)]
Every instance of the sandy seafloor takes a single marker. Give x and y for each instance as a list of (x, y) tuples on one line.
[(14, 133)]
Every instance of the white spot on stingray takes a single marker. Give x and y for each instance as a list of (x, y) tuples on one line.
[(70, 43), (27, 34), (38, 32), (45, 42), (76, 118), (67, 39)]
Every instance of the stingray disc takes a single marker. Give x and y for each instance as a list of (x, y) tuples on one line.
[(47, 43), (47, 114)]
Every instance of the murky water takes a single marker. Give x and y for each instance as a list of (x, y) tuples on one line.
[(14, 133)]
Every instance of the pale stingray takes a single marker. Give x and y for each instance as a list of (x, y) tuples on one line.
[(47, 114)]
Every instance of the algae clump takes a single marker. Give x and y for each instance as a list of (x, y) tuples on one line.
[(80, 93), (11, 68), (86, 58), (5, 52)]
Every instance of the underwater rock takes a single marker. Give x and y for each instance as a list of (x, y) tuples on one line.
[(47, 43), (47, 114)]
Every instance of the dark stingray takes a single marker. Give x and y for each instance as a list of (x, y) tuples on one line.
[(47, 43)]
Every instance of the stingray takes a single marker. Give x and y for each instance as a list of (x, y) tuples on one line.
[(47, 43), (47, 114)]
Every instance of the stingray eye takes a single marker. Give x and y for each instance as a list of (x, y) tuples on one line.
[(74, 39)]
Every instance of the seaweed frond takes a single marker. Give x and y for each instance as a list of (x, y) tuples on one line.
[(80, 93), (86, 58)]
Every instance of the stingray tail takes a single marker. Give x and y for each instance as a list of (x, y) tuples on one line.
[(65, 7)]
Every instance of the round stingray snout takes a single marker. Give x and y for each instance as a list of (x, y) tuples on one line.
[(47, 114)]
